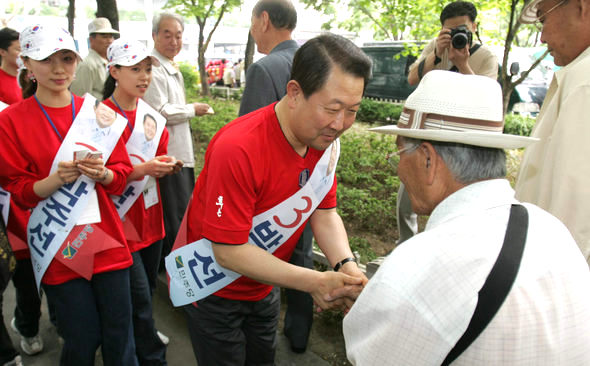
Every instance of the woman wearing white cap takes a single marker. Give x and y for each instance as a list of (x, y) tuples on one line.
[(146, 136), (75, 236)]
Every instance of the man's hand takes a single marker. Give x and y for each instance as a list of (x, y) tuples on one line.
[(459, 58), (346, 295), (330, 281), (200, 108), (443, 42)]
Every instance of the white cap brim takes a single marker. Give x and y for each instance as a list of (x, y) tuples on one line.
[(42, 54)]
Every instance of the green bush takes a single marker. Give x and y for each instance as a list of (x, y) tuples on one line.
[(205, 127), (367, 182), (373, 111), (191, 79), (223, 92), (363, 248), (516, 124)]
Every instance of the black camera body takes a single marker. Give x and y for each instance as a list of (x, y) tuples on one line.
[(461, 37)]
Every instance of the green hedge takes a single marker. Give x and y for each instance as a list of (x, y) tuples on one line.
[(516, 124), (373, 111), (191, 79), (367, 182)]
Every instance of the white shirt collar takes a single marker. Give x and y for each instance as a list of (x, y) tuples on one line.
[(474, 197)]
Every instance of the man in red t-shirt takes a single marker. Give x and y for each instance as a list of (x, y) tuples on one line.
[(10, 92), (252, 165)]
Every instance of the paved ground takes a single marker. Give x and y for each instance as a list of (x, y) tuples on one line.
[(169, 321)]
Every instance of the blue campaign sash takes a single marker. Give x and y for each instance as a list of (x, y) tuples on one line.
[(53, 218), (194, 273), (139, 151)]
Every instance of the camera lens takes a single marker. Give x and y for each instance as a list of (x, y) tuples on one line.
[(459, 40)]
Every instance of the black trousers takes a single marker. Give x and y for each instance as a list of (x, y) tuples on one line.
[(299, 314), (232, 332), (28, 303), (7, 350), (176, 191)]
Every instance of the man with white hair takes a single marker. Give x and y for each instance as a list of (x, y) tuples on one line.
[(554, 172), (490, 281), (166, 94)]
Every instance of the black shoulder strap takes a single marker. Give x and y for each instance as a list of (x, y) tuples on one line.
[(498, 283)]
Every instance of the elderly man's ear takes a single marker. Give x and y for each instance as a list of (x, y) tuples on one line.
[(429, 162)]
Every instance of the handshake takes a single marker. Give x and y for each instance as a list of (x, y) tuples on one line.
[(339, 289)]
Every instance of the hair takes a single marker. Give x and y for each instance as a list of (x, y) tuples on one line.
[(159, 17), (28, 86), (282, 13), (314, 61), (458, 9), (145, 116), (7, 36), (109, 85), (468, 163)]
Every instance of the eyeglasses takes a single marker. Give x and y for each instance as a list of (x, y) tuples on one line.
[(541, 18), (399, 152), (406, 149)]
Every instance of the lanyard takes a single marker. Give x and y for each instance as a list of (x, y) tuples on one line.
[(73, 103), (122, 112)]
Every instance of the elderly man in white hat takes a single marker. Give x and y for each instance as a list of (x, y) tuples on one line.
[(490, 281), (92, 73)]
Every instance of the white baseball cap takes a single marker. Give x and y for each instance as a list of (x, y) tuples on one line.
[(101, 25), (126, 52), (451, 107), (40, 41)]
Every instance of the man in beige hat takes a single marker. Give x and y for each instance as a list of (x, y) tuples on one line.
[(554, 173), (490, 281), (92, 73)]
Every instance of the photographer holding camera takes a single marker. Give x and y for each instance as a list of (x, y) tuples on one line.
[(454, 49)]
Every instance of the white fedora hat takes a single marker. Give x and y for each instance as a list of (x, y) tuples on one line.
[(452, 107)]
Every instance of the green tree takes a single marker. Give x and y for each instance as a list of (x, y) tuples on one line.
[(419, 20), (108, 9), (208, 15)]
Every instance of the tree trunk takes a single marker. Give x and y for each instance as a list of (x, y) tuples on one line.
[(249, 56), (201, 61), (108, 9), (71, 16)]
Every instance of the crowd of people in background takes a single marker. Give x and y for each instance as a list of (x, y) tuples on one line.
[(225, 73), (110, 198)]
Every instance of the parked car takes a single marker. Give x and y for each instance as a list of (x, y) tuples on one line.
[(527, 97), (390, 70)]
